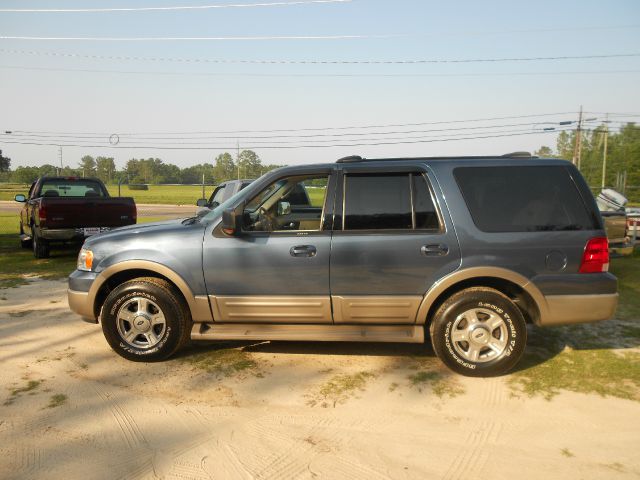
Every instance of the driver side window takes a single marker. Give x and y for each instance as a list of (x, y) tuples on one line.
[(288, 204)]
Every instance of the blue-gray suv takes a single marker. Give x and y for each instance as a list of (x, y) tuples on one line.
[(464, 250)]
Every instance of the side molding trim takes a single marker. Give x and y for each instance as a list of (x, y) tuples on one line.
[(375, 309), (271, 309)]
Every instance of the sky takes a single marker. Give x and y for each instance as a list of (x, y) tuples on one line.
[(110, 95)]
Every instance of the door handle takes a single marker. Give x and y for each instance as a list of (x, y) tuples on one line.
[(434, 250), (303, 251)]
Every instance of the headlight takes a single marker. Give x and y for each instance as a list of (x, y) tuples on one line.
[(85, 260)]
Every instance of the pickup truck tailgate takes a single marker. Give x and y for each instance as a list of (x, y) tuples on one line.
[(83, 212)]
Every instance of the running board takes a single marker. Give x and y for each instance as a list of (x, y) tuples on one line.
[(318, 333)]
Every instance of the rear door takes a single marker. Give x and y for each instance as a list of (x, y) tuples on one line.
[(392, 241)]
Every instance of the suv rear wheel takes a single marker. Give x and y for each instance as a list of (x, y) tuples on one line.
[(145, 320), (479, 332)]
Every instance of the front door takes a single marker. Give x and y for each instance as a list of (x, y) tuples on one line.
[(391, 242), (277, 269)]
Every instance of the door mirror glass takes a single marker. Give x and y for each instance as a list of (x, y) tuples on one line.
[(284, 208), (20, 198), (202, 202), (231, 221)]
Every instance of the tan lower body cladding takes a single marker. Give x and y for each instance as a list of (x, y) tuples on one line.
[(383, 310), (326, 333), (354, 319)]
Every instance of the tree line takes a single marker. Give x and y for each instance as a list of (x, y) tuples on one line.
[(623, 157), (145, 170)]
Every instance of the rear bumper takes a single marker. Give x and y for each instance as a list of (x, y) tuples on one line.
[(59, 234), (570, 309), (66, 234)]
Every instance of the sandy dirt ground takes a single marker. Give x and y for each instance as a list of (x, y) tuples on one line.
[(70, 409)]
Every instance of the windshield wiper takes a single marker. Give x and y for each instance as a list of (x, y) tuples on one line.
[(557, 228), (190, 220)]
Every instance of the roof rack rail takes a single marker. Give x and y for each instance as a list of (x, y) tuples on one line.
[(351, 159), (517, 155)]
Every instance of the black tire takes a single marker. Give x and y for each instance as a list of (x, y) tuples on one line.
[(479, 332), (141, 300), (24, 243), (40, 246)]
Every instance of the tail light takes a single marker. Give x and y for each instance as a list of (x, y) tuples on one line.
[(596, 256), (42, 215)]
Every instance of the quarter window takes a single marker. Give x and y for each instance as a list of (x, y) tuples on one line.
[(523, 199)]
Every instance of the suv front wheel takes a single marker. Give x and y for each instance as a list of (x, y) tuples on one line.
[(145, 320), (479, 332)]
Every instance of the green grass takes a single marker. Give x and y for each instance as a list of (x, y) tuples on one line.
[(29, 388), (157, 194), (340, 388), (9, 190), (17, 264), (605, 372), (441, 385), (627, 269), (224, 362), (164, 194), (57, 400)]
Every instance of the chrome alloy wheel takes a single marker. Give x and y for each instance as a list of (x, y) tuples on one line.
[(479, 335), (141, 323)]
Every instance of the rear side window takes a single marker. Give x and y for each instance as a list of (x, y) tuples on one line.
[(388, 202), (523, 199)]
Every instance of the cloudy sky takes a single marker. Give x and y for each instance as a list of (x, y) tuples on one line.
[(184, 84)]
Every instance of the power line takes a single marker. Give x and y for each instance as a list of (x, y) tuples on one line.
[(172, 8), (344, 127), (320, 75), (165, 39), (132, 137), (316, 62), (261, 142), (281, 147)]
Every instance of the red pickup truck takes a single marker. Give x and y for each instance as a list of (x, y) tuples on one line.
[(69, 209)]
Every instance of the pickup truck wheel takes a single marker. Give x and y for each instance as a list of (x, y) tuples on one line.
[(145, 320), (40, 246), (479, 332)]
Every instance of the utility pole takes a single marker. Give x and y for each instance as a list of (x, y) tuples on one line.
[(578, 145), (238, 156), (604, 154), (60, 156)]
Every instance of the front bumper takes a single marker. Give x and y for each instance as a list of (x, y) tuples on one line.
[(79, 303), (78, 294), (570, 309)]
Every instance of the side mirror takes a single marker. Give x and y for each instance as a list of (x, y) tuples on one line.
[(231, 220), (284, 208), (202, 202), (20, 198)]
